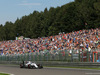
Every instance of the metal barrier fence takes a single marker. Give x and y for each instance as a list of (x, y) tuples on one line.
[(63, 55)]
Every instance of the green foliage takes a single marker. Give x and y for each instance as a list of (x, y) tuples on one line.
[(74, 16)]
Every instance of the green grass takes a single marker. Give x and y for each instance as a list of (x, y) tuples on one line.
[(3, 74), (74, 67)]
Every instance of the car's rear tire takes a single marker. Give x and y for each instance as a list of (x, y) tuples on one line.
[(21, 65), (29, 66)]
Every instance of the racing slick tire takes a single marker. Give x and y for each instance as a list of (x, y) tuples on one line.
[(29, 66), (21, 66), (40, 66)]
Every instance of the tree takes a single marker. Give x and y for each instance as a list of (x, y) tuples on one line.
[(73, 16)]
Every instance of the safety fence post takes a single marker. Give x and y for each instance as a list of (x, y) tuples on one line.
[(72, 56), (98, 57), (82, 55), (79, 55), (87, 56)]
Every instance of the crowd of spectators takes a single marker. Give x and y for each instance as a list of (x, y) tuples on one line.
[(85, 39)]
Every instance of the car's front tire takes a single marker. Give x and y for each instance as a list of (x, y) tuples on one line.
[(40, 66)]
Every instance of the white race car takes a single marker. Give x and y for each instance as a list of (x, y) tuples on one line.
[(30, 65)]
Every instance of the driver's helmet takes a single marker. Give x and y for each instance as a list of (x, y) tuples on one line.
[(29, 62)]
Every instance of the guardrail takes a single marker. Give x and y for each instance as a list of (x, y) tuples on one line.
[(58, 64)]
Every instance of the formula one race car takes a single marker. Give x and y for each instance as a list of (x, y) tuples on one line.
[(30, 65)]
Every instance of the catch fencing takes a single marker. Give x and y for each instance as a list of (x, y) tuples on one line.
[(61, 55)]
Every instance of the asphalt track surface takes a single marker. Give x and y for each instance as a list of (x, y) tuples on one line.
[(15, 70)]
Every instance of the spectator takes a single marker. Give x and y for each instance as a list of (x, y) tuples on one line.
[(89, 39)]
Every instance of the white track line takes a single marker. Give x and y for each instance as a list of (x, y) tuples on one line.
[(92, 73)]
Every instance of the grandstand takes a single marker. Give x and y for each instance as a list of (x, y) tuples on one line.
[(74, 42)]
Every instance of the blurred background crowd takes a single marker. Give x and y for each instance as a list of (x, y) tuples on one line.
[(83, 39)]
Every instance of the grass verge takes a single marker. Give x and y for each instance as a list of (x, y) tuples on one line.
[(3, 74), (74, 67)]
